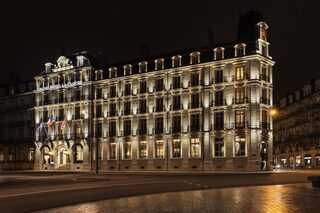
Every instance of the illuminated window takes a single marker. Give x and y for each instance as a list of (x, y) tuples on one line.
[(218, 147), (239, 73), (239, 95), (176, 61), (143, 67), (218, 53), (240, 118), (78, 153), (112, 150), (126, 150), (159, 149), (195, 58), (143, 149), (240, 146), (176, 148), (195, 148), (159, 64)]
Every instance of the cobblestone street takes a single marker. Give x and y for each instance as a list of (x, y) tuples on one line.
[(278, 198)]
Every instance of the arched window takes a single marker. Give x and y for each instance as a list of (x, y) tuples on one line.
[(99, 74), (159, 64), (112, 72), (176, 61), (218, 53), (78, 153), (195, 58), (127, 69), (239, 50), (143, 67)]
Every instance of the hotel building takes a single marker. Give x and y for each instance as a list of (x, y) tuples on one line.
[(203, 109)]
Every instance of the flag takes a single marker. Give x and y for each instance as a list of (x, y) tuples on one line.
[(64, 124), (51, 120), (41, 126)]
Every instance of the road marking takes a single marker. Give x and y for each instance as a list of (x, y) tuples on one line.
[(84, 187)]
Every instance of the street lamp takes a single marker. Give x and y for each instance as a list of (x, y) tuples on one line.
[(90, 116), (273, 112)]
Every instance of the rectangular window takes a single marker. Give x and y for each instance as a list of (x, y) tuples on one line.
[(218, 120), (142, 106), (240, 118), (126, 127), (158, 125), (112, 128), (239, 73), (98, 111), (143, 149), (142, 126), (219, 98), (77, 112), (177, 102), (240, 146), (176, 148), (265, 124), (127, 89), (176, 82), (77, 95), (218, 76), (159, 149), (127, 108), (126, 150), (239, 95), (159, 104), (218, 147), (194, 122), (176, 123), (112, 109), (61, 97), (143, 87), (264, 96), (61, 114), (264, 73), (159, 84), (99, 130), (195, 148), (112, 149), (195, 100), (113, 91), (99, 93), (194, 79)]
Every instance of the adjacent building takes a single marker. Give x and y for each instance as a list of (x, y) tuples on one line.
[(16, 126), (202, 109), (297, 128)]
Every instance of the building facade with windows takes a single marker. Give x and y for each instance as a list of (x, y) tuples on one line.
[(205, 109), (297, 129), (16, 126)]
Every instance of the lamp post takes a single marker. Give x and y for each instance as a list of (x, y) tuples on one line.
[(90, 116)]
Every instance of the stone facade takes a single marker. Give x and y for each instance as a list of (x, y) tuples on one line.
[(297, 129), (205, 109)]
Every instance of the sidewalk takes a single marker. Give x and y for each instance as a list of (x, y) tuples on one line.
[(278, 198)]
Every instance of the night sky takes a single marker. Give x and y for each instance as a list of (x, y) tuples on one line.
[(33, 32)]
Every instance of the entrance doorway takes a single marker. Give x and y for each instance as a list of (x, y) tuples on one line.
[(263, 156)]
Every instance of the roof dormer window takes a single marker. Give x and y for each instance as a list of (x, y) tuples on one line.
[(176, 61), (99, 74), (143, 67), (218, 53), (48, 67), (239, 50), (81, 60), (127, 69), (195, 58), (159, 64), (306, 90), (113, 72)]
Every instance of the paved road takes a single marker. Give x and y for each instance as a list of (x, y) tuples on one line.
[(295, 198), (25, 192)]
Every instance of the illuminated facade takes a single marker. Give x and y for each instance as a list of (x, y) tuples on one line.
[(205, 109), (296, 129)]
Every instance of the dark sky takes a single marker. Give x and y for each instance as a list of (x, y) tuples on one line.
[(33, 32)]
